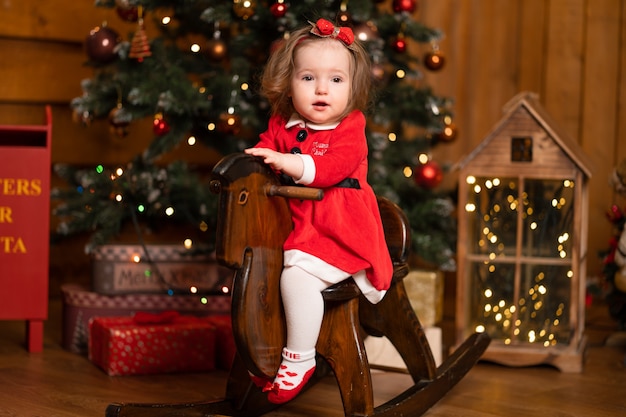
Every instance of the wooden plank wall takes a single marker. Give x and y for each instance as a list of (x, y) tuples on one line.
[(571, 52), (42, 63)]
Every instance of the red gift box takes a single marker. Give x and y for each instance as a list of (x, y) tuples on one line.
[(81, 305), (225, 348), (152, 343)]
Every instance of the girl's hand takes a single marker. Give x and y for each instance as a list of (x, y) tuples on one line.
[(287, 163), (270, 157)]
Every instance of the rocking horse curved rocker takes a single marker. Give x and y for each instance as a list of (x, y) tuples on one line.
[(253, 223)]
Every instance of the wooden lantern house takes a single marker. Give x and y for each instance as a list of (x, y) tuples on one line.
[(522, 241)]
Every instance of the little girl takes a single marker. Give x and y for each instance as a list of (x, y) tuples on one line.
[(317, 82)]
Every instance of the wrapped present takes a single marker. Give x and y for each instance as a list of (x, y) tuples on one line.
[(383, 355), (425, 291), (125, 269), (225, 348), (152, 344), (80, 305)]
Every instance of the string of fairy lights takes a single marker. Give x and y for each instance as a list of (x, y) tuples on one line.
[(151, 267), (193, 290), (520, 284)]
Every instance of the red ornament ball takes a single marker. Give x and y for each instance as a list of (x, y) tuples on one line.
[(278, 10), (101, 44), (159, 125), (428, 175), (129, 14), (434, 60), (399, 45), (400, 6), (617, 213)]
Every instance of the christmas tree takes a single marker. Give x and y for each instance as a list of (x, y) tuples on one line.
[(614, 257), (197, 80)]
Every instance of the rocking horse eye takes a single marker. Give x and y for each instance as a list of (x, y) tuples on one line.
[(243, 197)]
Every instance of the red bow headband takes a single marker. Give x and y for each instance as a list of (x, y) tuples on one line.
[(326, 29)]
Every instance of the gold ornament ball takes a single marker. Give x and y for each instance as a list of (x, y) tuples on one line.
[(118, 122), (216, 49), (344, 18), (85, 117), (434, 60), (229, 124), (620, 280), (366, 31), (244, 8), (449, 133)]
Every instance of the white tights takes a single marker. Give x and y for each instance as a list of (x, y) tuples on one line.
[(304, 307), (302, 297)]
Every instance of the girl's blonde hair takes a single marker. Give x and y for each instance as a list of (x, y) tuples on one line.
[(276, 78)]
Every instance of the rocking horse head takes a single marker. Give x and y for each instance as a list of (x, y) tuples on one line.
[(248, 217), (253, 222), (249, 213)]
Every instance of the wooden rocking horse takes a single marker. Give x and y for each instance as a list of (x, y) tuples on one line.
[(253, 223)]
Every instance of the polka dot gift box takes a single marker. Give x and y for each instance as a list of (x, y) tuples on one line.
[(149, 343)]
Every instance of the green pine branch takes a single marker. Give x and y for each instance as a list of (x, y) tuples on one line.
[(193, 90)]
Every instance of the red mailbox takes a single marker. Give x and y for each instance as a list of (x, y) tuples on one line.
[(25, 225)]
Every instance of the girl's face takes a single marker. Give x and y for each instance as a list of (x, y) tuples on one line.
[(321, 84)]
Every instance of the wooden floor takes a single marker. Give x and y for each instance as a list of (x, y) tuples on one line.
[(58, 383)]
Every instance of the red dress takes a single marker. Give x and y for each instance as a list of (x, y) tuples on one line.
[(344, 229)]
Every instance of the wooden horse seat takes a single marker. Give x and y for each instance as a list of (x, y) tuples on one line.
[(341, 291), (397, 230), (250, 242), (347, 312)]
